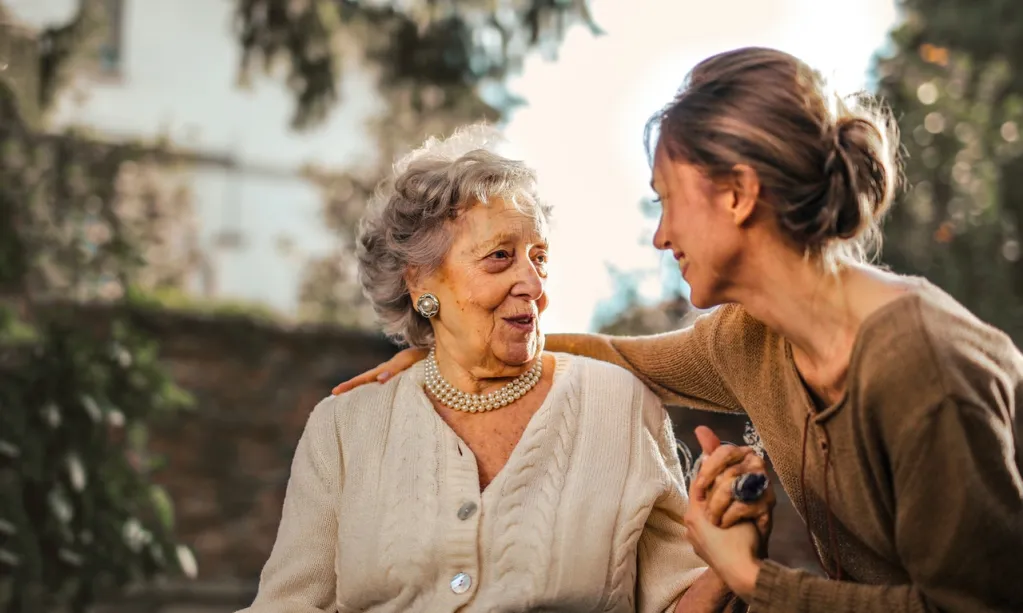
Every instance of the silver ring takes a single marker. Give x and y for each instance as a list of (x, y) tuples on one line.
[(750, 487)]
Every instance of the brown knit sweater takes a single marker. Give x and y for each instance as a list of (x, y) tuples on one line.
[(922, 455)]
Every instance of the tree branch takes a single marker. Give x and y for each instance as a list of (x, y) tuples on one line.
[(59, 46)]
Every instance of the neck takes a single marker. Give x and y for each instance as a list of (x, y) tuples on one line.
[(477, 375), (808, 305)]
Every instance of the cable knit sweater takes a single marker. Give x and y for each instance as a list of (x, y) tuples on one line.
[(383, 510)]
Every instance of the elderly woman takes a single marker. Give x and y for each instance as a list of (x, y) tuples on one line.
[(491, 476)]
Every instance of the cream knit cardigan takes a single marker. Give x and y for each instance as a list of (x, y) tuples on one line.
[(383, 510)]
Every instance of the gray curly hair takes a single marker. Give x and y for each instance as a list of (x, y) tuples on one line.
[(407, 226)]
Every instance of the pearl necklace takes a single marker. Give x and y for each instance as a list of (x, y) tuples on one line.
[(473, 403)]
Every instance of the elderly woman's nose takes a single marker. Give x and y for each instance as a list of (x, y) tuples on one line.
[(530, 282)]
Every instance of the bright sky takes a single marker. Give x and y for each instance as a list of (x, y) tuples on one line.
[(584, 122)]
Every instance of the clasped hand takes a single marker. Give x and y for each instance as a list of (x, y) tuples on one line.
[(730, 535)]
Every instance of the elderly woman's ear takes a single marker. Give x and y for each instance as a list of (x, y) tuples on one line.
[(413, 282), (424, 301)]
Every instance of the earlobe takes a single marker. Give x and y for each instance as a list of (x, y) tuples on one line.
[(745, 194)]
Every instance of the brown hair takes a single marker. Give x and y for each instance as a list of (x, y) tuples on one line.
[(828, 173)]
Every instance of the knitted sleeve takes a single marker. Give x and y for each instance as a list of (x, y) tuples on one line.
[(299, 577), (684, 367), (667, 565)]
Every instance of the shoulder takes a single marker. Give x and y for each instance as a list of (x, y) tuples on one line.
[(354, 410), (735, 336), (609, 387), (929, 343), (373, 394), (590, 376)]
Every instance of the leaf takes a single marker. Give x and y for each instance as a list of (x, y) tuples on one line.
[(163, 506)]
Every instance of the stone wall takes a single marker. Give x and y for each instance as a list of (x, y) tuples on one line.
[(227, 461)]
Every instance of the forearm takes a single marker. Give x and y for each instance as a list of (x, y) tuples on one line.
[(676, 366), (785, 590), (596, 346), (708, 594), (601, 347)]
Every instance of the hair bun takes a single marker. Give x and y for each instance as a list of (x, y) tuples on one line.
[(859, 170), (827, 167)]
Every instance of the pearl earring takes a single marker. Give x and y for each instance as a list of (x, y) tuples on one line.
[(428, 305)]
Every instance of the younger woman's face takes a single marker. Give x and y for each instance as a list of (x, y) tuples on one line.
[(697, 225)]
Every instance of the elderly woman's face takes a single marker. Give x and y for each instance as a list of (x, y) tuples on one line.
[(491, 286)]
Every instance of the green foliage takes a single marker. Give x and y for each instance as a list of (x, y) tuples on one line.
[(454, 46), (176, 299), (79, 517), (955, 81), (78, 514)]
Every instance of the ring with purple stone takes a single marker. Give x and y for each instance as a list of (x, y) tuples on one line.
[(749, 487)]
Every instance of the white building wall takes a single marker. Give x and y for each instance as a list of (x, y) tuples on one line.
[(178, 79)]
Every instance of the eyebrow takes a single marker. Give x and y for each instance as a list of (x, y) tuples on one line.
[(490, 243), (503, 237)]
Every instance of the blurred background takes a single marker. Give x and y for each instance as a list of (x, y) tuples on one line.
[(179, 189)]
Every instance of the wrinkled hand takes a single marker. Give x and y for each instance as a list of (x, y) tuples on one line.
[(712, 487), (401, 361)]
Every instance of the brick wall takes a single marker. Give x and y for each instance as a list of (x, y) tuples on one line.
[(227, 460)]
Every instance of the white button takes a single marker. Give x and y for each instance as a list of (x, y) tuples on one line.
[(460, 583)]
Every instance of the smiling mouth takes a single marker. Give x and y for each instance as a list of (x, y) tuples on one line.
[(524, 322)]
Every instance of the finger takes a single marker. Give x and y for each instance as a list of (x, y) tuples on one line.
[(405, 359), (694, 517), (367, 377), (716, 463), (709, 442), (764, 524), (363, 379), (740, 511), (753, 463), (719, 493), (718, 500)]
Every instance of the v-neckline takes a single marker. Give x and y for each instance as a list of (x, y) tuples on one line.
[(560, 365), (820, 414)]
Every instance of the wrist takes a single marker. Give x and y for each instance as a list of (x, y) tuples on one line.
[(742, 578)]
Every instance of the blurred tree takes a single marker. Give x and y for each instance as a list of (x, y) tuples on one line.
[(434, 62), (79, 516), (439, 52), (954, 78)]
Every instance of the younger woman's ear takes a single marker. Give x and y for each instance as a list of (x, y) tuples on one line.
[(746, 187)]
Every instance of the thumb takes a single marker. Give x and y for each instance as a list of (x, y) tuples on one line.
[(707, 439)]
